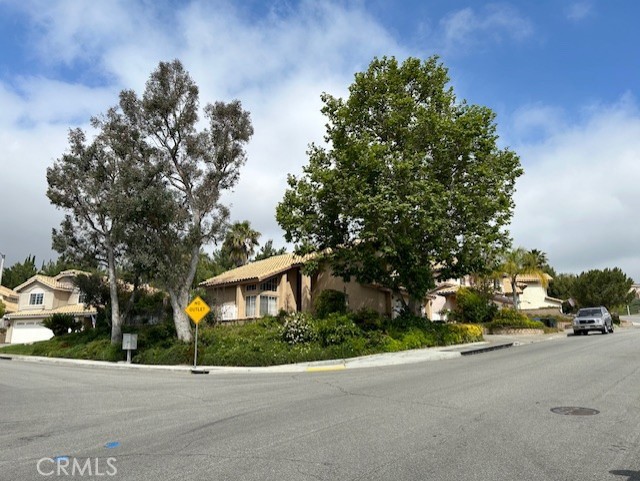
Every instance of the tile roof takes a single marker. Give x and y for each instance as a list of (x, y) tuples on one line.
[(48, 281), (73, 309), (506, 286), (532, 278), (256, 271), (446, 289), (5, 292)]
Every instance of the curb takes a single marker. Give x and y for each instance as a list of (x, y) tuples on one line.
[(495, 347)]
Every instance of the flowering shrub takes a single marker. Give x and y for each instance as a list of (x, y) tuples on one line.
[(297, 329)]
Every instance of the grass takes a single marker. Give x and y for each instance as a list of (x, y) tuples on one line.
[(266, 342)]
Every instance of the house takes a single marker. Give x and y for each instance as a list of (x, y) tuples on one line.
[(39, 298), (534, 294), (278, 283), (530, 292), (9, 298)]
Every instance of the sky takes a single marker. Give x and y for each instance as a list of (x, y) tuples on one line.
[(563, 77)]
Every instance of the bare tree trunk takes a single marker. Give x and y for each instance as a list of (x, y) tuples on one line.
[(116, 321), (180, 299), (514, 289)]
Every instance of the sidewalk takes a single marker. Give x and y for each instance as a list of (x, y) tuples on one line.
[(491, 343)]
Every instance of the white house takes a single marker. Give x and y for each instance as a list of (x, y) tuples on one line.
[(39, 298)]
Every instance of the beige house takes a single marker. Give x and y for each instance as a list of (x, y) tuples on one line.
[(265, 287), (534, 293), (531, 295), (9, 298), (39, 298)]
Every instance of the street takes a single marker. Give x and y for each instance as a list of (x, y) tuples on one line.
[(480, 417)]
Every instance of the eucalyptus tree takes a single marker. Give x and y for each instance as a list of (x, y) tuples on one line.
[(410, 186), (197, 165), (90, 181)]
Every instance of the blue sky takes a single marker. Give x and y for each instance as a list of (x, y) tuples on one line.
[(563, 77)]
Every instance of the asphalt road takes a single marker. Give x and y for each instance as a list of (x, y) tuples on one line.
[(481, 417)]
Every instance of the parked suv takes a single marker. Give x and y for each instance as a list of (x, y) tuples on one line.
[(592, 319)]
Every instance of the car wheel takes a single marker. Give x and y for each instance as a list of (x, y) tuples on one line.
[(611, 328), (605, 330)]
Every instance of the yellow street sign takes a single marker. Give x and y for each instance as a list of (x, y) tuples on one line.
[(197, 309)]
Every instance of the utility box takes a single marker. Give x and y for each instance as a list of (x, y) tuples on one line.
[(129, 342)]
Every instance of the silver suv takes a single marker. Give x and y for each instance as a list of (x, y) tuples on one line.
[(592, 319)]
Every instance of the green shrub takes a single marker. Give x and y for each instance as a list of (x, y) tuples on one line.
[(328, 302), (297, 329), (335, 329), (512, 319), (473, 306), (62, 324), (615, 317), (367, 319)]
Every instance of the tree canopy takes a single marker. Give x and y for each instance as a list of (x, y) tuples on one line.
[(517, 262), (19, 272), (609, 287), (411, 180), (145, 192)]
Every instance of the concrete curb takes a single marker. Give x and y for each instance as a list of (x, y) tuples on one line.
[(374, 360)]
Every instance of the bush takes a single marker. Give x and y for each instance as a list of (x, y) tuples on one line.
[(367, 319), (335, 329), (615, 317), (62, 324), (473, 306), (297, 329), (512, 319), (328, 302)]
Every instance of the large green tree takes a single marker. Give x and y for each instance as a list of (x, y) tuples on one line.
[(609, 287), (197, 165), (411, 180), (19, 272), (93, 182), (267, 250)]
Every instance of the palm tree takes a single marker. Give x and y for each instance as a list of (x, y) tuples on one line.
[(240, 242), (539, 258), (519, 262)]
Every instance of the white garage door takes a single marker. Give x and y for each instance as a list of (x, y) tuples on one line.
[(29, 331)]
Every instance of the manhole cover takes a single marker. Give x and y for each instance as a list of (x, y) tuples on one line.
[(575, 411)]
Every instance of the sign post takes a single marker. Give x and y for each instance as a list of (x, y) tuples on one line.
[(196, 311)]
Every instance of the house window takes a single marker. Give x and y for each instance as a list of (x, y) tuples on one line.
[(36, 299), (268, 305), (270, 285), (251, 287), (250, 310)]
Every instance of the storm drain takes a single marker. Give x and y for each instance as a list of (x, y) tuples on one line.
[(574, 411)]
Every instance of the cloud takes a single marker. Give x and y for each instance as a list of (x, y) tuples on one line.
[(578, 198), (277, 65), (467, 28), (579, 11)]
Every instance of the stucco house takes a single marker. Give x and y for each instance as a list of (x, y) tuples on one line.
[(39, 298), (265, 287), (530, 291), (9, 298), (534, 294)]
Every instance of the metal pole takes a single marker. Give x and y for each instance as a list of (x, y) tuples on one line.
[(195, 354), (1, 266)]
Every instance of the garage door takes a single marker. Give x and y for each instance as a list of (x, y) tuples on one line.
[(29, 331)]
